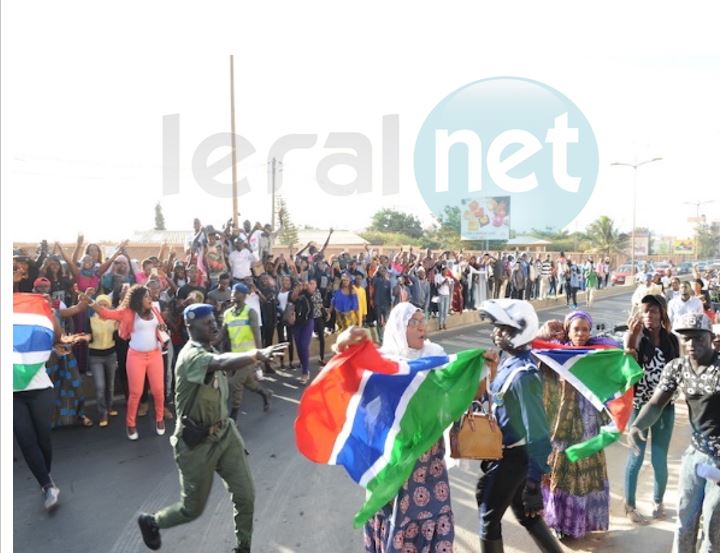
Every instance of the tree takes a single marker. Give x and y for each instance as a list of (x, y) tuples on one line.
[(289, 233), (605, 238), (707, 238), (159, 219), (390, 220)]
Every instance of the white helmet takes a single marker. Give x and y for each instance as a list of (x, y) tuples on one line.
[(517, 314)]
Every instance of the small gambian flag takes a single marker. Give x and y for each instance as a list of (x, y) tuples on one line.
[(33, 337), (376, 416), (605, 377)]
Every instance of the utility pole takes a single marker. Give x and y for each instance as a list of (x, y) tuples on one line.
[(274, 167), (697, 220), (232, 144)]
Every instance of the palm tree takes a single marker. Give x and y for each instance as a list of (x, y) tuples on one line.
[(605, 238)]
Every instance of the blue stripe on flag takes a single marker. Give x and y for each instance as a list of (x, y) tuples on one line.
[(375, 415), (29, 338)]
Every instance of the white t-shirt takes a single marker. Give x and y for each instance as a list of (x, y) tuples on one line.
[(283, 300), (678, 307), (442, 286), (241, 262), (144, 337)]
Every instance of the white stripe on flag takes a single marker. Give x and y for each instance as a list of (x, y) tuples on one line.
[(383, 460), (350, 413), (30, 357), (31, 319), (565, 372)]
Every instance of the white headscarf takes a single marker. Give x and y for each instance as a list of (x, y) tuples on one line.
[(395, 342)]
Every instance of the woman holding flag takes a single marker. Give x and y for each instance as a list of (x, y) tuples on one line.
[(421, 514), (576, 495)]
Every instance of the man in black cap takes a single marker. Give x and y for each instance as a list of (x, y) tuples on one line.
[(696, 373), (206, 439)]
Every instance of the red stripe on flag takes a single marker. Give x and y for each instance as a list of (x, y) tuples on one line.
[(32, 304), (621, 408), (323, 406)]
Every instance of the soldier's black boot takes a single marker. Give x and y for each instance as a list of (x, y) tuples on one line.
[(544, 538), (266, 395), (491, 546), (149, 530), (242, 549), (234, 413)]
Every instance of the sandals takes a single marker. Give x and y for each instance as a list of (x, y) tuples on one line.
[(634, 516), (103, 422), (113, 413), (85, 421)]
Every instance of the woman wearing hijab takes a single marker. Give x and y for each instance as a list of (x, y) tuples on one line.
[(420, 518), (576, 495)]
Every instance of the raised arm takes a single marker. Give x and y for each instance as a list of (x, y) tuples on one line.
[(72, 265), (109, 261), (78, 247), (327, 240)]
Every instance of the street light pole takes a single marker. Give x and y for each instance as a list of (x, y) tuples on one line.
[(635, 167)]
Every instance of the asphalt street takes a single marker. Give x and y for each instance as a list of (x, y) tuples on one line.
[(106, 480)]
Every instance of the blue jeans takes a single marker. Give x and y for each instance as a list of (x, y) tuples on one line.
[(660, 439), (697, 496), (444, 303)]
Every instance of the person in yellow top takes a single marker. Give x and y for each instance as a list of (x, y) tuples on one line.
[(241, 333), (362, 301), (103, 361)]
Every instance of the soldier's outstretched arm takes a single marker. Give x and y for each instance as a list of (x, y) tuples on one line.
[(235, 361)]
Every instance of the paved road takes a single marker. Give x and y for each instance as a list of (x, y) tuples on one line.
[(300, 507)]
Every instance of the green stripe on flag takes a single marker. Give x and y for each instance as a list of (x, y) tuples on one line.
[(607, 372), (580, 451), (441, 399), (24, 373)]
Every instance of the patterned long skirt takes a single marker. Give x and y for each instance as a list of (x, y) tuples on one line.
[(69, 402), (576, 495), (424, 520)]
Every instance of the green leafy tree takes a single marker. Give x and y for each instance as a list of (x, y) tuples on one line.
[(707, 238), (159, 218), (604, 238), (390, 220), (289, 233)]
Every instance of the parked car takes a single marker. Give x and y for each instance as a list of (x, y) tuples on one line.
[(620, 274), (660, 269), (684, 268)]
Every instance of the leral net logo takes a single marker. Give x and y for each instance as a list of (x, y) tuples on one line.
[(511, 153)]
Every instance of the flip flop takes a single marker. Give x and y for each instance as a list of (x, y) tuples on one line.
[(85, 421)]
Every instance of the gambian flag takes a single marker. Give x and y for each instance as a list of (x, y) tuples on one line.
[(605, 377), (33, 337), (376, 416)]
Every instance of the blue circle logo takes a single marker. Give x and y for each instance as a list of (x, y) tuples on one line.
[(511, 153)]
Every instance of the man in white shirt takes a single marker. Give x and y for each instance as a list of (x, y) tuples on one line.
[(241, 260), (684, 303), (674, 290), (648, 287)]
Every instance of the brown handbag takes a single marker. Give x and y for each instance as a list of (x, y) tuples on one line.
[(477, 437)]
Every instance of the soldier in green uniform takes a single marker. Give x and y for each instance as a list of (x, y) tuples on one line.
[(241, 332), (206, 440)]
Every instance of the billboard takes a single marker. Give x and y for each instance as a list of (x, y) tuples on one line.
[(683, 246), (486, 218)]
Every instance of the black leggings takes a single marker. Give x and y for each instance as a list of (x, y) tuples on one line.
[(32, 416), (285, 334), (501, 486), (571, 292), (319, 329)]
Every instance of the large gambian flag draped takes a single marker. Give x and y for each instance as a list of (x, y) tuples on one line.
[(33, 337), (376, 416), (605, 377)]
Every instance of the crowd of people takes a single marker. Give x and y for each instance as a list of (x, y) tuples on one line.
[(130, 320)]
